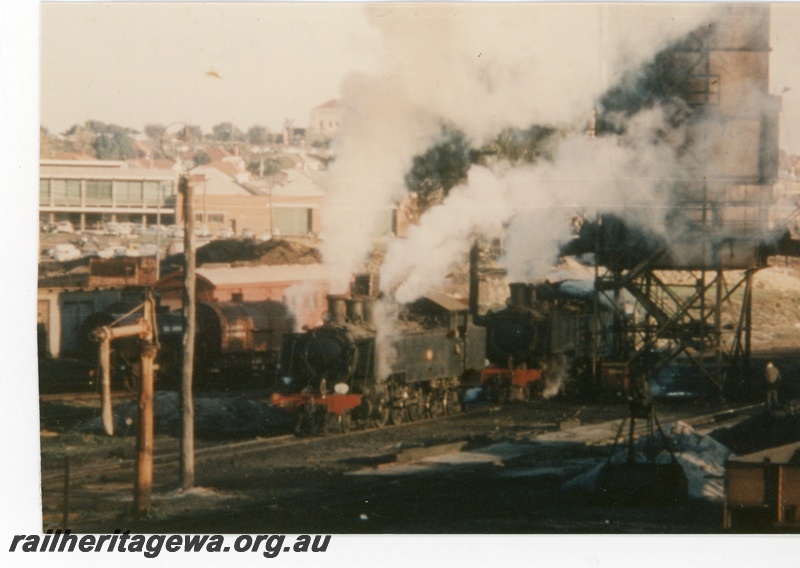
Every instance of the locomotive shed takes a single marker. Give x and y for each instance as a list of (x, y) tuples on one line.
[(364, 482)]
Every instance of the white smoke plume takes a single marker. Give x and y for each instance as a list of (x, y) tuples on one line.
[(481, 68), (534, 205)]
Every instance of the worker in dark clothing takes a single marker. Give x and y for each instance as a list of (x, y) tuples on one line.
[(773, 377)]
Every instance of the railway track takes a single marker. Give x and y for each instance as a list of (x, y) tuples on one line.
[(54, 478), (353, 503)]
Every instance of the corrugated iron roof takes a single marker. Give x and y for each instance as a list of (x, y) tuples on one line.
[(266, 274), (447, 302)]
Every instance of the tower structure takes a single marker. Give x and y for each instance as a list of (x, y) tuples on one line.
[(690, 293)]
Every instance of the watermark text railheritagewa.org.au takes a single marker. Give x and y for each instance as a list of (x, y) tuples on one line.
[(152, 545)]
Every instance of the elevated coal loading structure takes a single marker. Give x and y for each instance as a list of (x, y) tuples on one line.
[(713, 88)]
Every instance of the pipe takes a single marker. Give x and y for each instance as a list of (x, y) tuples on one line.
[(519, 292), (474, 282)]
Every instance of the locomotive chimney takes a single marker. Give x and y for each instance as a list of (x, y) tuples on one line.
[(337, 309), (369, 311), (519, 293), (355, 309)]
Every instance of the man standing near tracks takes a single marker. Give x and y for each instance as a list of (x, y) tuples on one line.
[(773, 377)]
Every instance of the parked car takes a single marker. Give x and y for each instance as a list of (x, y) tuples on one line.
[(137, 229), (177, 233), (65, 251), (125, 228), (202, 232), (112, 229), (64, 227), (225, 233), (247, 234), (157, 230), (148, 250)]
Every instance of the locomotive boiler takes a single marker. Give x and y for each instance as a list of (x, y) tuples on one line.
[(346, 372)]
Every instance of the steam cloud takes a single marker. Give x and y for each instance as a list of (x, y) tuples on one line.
[(484, 68)]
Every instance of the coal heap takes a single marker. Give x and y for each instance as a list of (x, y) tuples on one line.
[(238, 252)]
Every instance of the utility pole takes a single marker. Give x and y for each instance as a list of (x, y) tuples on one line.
[(189, 307)]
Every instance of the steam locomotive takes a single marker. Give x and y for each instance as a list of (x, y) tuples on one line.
[(345, 373), (234, 342), (545, 341)]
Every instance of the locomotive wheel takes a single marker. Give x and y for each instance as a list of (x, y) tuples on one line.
[(452, 405), (132, 382), (345, 422), (382, 415), (529, 392), (414, 412), (435, 405), (397, 415), (331, 423)]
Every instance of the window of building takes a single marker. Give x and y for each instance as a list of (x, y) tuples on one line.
[(198, 217), (151, 197), (128, 193), (98, 192), (216, 217), (44, 192), (66, 191)]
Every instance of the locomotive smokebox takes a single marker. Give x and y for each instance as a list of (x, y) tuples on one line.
[(519, 295), (337, 307)]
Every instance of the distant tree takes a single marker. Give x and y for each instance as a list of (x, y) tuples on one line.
[(442, 167), (271, 166), (153, 130), (226, 132), (117, 146), (258, 135), (195, 132), (201, 158)]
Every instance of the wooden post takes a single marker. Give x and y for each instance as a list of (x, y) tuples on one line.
[(144, 454), (105, 385), (187, 404), (145, 440)]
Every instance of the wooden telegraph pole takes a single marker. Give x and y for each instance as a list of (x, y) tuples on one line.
[(187, 404)]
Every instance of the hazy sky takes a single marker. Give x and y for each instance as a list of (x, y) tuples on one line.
[(197, 63), (262, 63)]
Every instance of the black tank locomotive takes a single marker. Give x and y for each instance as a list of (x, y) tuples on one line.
[(344, 372), (544, 340)]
